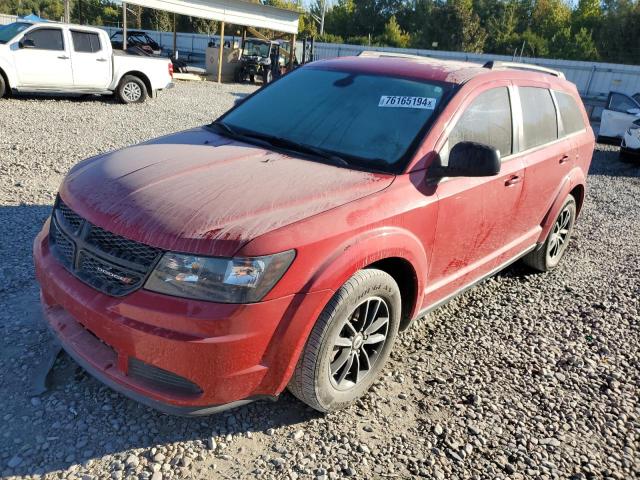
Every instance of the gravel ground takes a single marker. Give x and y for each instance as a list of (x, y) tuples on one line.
[(525, 376)]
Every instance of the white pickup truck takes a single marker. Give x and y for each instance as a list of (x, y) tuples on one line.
[(62, 58)]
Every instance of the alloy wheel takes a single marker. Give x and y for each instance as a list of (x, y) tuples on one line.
[(132, 92), (359, 343), (559, 234)]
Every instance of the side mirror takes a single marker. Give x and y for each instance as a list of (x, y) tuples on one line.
[(471, 159), (26, 43)]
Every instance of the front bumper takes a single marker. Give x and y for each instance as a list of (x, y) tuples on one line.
[(226, 354)]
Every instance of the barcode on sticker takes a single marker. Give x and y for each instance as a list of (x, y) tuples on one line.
[(407, 102)]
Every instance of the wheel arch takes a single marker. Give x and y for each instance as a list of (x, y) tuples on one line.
[(7, 83), (573, 184), (141, 76)]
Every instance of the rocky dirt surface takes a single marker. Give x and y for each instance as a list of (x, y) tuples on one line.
[(525, 376)]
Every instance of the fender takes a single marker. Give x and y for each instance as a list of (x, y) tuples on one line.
[(358, 252), (573, 179), (7, 69)]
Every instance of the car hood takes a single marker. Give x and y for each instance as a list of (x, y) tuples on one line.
[(199, 192)]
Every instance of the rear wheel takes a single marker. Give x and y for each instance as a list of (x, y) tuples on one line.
[(132, 90), (3, 86), (267, 76), (548, 255), (349, 343)]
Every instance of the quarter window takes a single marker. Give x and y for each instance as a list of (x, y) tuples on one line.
[(569, 113), (487, 120), (46, 39), (86, 42), (539, 119)]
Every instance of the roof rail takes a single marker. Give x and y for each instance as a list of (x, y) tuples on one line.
[(523, 66), (377, 54)]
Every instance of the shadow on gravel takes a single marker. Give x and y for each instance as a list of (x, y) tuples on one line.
[(79, 419), (608, 163), (68, 97)]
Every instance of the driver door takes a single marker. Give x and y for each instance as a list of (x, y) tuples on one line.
[(477, 217), (620, 111), (42, 59)]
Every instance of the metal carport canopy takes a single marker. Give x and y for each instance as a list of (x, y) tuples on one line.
[(236, 12)]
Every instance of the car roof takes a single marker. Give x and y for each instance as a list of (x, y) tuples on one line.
[(426, 68)]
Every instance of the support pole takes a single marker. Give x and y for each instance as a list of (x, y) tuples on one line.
[(124, 26), (220, 51), (175, 38), (67, 12), (292, 51)]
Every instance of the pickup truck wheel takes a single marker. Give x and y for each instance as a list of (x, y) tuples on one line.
[(132, 90), (3, 87), (350, 342), (548, 256)]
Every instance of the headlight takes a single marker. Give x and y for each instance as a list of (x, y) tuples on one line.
[(225, 280)]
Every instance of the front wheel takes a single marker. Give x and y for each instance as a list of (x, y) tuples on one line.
[(548, 255), (132, 90), (350, 342)]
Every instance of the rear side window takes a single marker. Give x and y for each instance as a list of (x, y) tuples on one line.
[(539, 119), (46, 39), (569, 113), (86, 42), (486, 120)]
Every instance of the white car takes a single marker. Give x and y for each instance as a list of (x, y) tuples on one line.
[(620, 111), (630, 147), (61, 58)]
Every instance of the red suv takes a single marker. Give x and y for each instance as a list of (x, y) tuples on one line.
[(287, 243)]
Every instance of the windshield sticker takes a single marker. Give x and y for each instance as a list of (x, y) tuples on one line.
[(396, 101)]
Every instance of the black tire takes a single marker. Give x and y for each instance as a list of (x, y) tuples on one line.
[(252, 79), (3, 87), (267, 77), (313, 382), (548, 255), (132, 90)]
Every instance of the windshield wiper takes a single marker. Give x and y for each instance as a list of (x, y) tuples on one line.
[(280, 143), (299, 147)]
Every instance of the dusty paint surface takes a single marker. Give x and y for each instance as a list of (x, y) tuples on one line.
[(198, 192)]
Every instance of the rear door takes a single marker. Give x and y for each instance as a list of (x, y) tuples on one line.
[(548, 155), (475, 215), (43, 59), (90, 60), (620, 111)]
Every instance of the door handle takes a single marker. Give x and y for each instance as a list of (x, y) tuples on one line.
[(564, 159), (63, 57), (513, 180), (101, 59)]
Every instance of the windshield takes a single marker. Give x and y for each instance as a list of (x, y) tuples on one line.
[(7, 32), (372, 121), (255, 49)]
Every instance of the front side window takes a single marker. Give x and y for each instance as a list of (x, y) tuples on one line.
[(486, 120), (539, 121), (569, 113), (45, 39), (371, 121), (85, 42), (621, 103)]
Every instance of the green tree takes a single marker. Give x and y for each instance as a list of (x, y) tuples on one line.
[(393, 36)]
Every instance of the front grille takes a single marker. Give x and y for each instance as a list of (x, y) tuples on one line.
[(61, 245), (108, 262), (162, 380)]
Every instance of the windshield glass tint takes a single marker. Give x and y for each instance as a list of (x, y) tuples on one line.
[(258, 49), (371, 120), (7, 32)]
